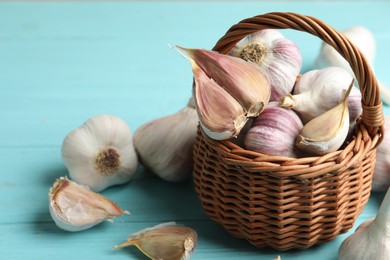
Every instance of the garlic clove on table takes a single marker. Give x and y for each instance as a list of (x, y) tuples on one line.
[(165, 145), (164, 241), (275, 56), (100, 153), (327, 132), (74, 207), (381, 177)]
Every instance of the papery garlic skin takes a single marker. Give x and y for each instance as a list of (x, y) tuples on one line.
[(74, 207), (317, 91), (277, 57), (274, 131), (381, 177), (164, 241), (371, 240), (327, 132), (100, 153), (165, 145)]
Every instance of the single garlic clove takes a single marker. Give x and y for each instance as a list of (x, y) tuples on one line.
[(220, 115), (275, 125), (327, 132), (277, 57), (164, 241), (165, 145), (316, 86), (242, 80), (74, 207), (100, 153)]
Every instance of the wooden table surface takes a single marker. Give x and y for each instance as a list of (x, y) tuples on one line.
[(64, 62)]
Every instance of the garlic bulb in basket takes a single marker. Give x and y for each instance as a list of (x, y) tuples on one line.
[(371, 239), (100, 153), (227, 91), (381, 177), (274, 131), (317, 91), (277, 57), (165, 145)]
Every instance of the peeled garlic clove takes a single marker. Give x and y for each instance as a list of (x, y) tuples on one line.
[(275, 125), (74, 207), (242, 80), (277, 57), (381, 177), (164, 241), (100, 153), (327, 132), (165, 145), (317, 91)]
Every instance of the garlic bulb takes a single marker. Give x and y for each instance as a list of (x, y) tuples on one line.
[(164, 241), (327, 132), (165, 145), (317, 91), (100, 153), (74, 207), (275, 125), (227, 91), (277, 57), (371, 239), (359, 36), (381, 177)]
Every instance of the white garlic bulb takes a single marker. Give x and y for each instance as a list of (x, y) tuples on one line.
[(371, 239), (317, 91), (275, 125), (165, 145), (74, 207), (277, 57), (100, 153), (359, 36), (381, 177)]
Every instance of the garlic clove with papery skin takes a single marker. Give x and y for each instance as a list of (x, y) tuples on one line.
[(242, 80), (274, 131), (100, 153), (275, 56), (371, 240), (74, 207), (164, 241), (165, 145), (327, 132)]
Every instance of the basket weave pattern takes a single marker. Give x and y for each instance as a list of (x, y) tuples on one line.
[(284, 202)]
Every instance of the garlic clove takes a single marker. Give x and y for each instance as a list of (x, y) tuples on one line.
[(315, 86), (381, 177), (164, 241), (277, 57), (165, 145), (275, 125), (242, 80), (327, 132), (74, 207), (100, 153)]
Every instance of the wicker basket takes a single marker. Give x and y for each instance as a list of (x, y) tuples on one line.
[(284, 202)]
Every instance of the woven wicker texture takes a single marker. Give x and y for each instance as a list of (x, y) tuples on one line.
[(284, 202)]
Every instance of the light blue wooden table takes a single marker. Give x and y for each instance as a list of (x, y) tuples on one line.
[(63, 62)]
